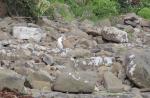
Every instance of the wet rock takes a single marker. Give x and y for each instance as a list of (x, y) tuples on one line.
[(11, 80), (137, 62), (48, 59), (112, 83), (21, 32), (80, 82), (114, 34)]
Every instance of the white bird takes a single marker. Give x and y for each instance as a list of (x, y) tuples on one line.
[(60, 42)]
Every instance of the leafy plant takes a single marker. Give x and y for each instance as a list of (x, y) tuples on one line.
[(28, 7), (104, 8), (145, 13)]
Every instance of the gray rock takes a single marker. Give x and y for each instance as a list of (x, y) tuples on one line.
[(48, 59), (11, 80), (40, 80), (79, 52), (112, 83), (38, 94), (114, 34), (132, 19), (40, 75), (126, 28), (104, 23), (137, 93), (80, 82), (145, 23), (88, 27), (138, 67), (22, 32)]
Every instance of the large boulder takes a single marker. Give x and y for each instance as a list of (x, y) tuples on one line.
[(138, 67), (114, 34), (11, 80), (80, 82), (27, 33)]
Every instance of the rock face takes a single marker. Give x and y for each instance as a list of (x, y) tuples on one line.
[(11, 80), (138, 67), (82, 82), (114, 34), (112, 83), (75, 57), (3, 10), (21, 32)]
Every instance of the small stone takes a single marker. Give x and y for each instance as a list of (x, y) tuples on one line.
[(112, 83), (48, 59), (127, 88)]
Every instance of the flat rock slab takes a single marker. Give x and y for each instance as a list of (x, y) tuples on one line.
[(22, 32), (99, 95), (81, 82)]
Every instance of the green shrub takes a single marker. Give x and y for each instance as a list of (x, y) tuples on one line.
[(104, 8), (145, 13), (60, 10), (82, 9), (145, 3), (28, 7)]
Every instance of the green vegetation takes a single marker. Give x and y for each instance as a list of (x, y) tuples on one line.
[(145, 12), (68, 9)]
